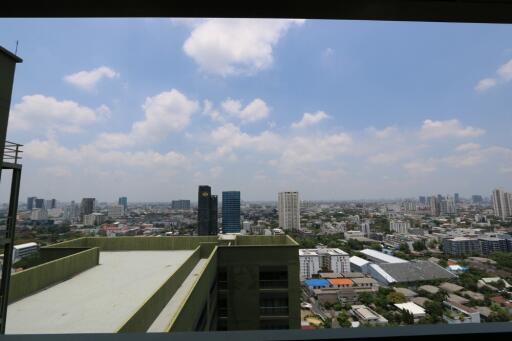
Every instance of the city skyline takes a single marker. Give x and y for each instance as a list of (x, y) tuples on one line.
[(311, 110)]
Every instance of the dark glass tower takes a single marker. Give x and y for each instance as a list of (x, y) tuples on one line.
[(123, 201), (230, 212), (207, 212)]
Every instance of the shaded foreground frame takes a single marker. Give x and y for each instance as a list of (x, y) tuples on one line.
[(497, 330), (468, 11)]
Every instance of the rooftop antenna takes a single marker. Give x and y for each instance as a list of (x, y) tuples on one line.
[(16, 50)]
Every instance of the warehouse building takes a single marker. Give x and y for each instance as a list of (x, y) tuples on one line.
[(158, 284)]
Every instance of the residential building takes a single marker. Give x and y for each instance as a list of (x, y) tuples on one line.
[(22, 250), (207, 212), (94, 219), (477, 199), (447, 206), (365, 228), (459, 313), (460, 246), (435, 205), (412, 308), (422, 200), (31, 203), (367, 315), (502, 203), (399, 226), (115, 211), (246, 225), (180, 204), (288, 206), (231, 212), (489, 245), (53, 203), (71, 212), (123, 201), (39, 214), (327, 259), (40, 203), (456, 198), (156, 285)]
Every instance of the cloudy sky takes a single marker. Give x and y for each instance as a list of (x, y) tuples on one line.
[(152, 108)]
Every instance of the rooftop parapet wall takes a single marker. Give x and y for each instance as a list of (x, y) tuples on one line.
[(27, 282), (141, 320)]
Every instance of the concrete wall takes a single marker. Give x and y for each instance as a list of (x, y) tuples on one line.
[(189, 313), (27, 282), (139, 243), (150, 309), (242, 264), (264, 240)]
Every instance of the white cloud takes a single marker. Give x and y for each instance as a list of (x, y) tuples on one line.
[(235, 46), (449, 128), (87, 80), (47, 113), (51, 151), (254, 111), (467, 147), (485, 84), (416, 167), (166, 112), (310, 119), (504, 73)]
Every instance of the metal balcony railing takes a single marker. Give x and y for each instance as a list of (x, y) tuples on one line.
[(12, 152)]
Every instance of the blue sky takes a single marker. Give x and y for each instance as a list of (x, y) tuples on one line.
[(152, 108)]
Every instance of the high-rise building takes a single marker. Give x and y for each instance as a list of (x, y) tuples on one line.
[(40, 203), (123, 201), (399, 226), (502, 203), (435, 206), (230, 211), (207, 212), (477, 199), (53, 203), (456, 198), (180, 204), (39, 214), (313, 260), (87, 207), (423, 200), (72, 212), (288, 206), (115, 211), (447, 206), (31, 203), (246, 226), (365, 228)]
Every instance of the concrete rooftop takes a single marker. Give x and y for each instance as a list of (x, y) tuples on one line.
[(98, 300)]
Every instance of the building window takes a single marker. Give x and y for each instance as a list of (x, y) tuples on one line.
[(222, 305), (273, 304), (273, 277), (222, 279)]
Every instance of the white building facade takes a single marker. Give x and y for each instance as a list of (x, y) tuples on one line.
[(313, 260), (399, 226), (502, 203), (288, 206)]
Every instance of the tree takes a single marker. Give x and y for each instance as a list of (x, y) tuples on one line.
[(366, 298), (404, 248), (435, 310), (419, 245), (343, 319), (407, 317), (396, 297)]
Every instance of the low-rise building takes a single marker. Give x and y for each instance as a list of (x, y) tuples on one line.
[(411, 307), (450, 287), (431, 289), (366, 315), (313, 260), (458, 313)]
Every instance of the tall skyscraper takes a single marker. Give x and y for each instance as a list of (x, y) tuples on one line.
[(87, 207), (477, 199), (435, 205), (31, 203), (53, 203), (288, 206), (180, 204), (365, 228), (502, 203), (123, 201), (207, 212), (456, 198), (230, 212), (447, 206), (39, 203), (423, 200)]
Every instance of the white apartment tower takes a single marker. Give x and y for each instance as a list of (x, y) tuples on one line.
[(399, 226), (313, 260), (502, 203), (288, 206), (365, 228)]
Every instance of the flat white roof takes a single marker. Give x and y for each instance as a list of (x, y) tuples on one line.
[(358, 261), (411, 307), (26, 245), (382, 256), (98, 300)]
